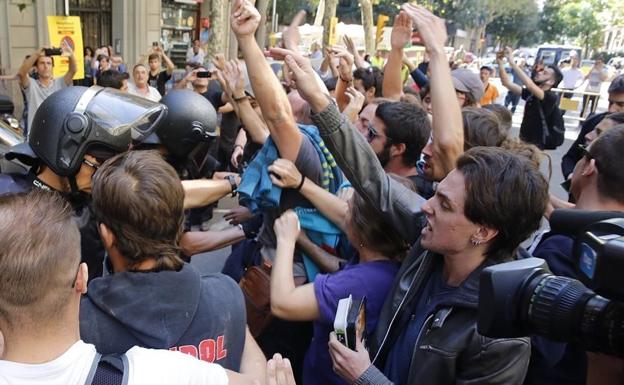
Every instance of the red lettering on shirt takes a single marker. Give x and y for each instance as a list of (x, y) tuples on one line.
[(188, 349), (208, 350)]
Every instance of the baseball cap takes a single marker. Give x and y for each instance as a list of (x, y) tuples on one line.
[(464, 80)]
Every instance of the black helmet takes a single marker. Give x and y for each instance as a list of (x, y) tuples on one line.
[(191, 120), (76, 119)]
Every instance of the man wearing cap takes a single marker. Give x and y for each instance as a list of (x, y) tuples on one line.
[(491, 92), (541, 102), (468, 87)]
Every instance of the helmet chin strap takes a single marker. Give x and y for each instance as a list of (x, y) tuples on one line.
[(73, 185)]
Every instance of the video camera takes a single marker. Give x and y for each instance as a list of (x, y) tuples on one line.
[(523, 298)]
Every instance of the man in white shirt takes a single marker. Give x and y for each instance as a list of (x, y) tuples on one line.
[(195, 53), (572, 77), (37, 90), (41, 282)]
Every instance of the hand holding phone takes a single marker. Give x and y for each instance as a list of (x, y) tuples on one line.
[(52, 51)]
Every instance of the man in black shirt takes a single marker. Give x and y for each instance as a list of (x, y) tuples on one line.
[(158, 78), (537, 94)]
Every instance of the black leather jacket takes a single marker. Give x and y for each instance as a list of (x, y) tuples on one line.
[(449, 350)]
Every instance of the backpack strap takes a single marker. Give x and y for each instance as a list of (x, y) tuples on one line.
[(108, 369)]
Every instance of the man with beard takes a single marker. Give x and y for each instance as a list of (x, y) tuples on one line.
[(397, 134), (541, 103)]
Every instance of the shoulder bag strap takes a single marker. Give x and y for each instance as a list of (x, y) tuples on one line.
[(109, 371)]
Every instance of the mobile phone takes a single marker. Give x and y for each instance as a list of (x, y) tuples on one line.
[(52, 51), (350, 321), (203, 74)]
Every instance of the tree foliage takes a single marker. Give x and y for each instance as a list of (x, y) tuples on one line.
[(518, 27)]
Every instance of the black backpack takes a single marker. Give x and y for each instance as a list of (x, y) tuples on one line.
[(109, 371), (553, 127)]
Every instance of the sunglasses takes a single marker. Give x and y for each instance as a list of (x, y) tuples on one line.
[(372, 133)]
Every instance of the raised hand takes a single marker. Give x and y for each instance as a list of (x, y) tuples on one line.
[(356, 102), (244, 19), (219, 61), (234, 79), (401, 31), (345, 67), (301, 73), (431, 28), (291, 36)]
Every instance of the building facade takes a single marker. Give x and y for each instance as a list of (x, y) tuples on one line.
[(129, 26)]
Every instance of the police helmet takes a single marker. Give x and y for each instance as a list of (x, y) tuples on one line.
[(190, 121), (74, 120)]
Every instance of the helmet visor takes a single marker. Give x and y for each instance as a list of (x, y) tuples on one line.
[(119, 113)]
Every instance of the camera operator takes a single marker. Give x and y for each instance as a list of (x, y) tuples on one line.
[(597, 185)]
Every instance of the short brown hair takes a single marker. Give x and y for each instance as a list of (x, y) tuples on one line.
[(39, 258), (139, 197), (481, 128), (373, 230), (153, 56), (606, 151), (506, 192)]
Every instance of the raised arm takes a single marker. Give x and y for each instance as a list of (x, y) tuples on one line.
[(358, 60), (232, 81), (511, 86), (401, 35), (345, 76), (168, 63), (271, 97), (526, 79), (26, 66), (73, 68), (447, 124), (395, 202)]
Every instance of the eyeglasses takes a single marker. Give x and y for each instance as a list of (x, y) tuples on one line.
[(91, 164), (617, 103)]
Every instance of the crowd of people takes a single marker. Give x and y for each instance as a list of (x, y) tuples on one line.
[(384, 181)]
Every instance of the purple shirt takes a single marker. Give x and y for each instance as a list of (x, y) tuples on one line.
[(370, 279)]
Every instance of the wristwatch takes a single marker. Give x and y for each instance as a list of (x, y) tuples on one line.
[(232, 180)]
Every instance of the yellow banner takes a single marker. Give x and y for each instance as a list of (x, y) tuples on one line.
[(333, 37), (382, 20), (66, 29)]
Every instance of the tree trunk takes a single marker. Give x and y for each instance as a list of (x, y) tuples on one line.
[(261, 33), (328, 13), (220, 27), (367, 23)]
